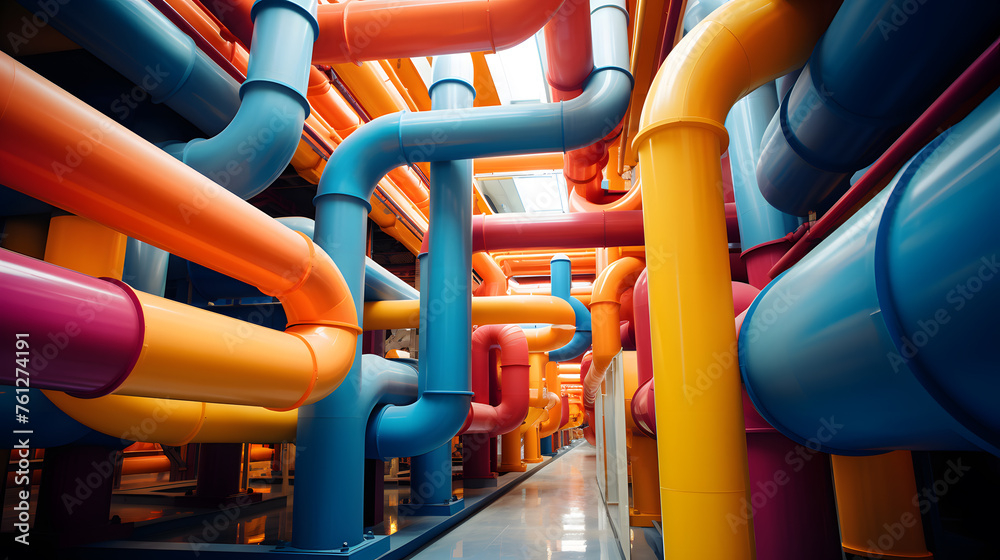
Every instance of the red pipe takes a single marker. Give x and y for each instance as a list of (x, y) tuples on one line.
[(973, 79), (588, 411), (564, 415), (569, 49), (578, 230), (675, 15), (513, 407)]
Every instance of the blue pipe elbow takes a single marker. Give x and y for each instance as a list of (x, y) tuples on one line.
[(258, 144), (582, 338), (876, 68), (407, 431), (562, 281), (881, 338)]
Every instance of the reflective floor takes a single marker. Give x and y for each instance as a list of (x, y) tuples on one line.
[(557, 513)]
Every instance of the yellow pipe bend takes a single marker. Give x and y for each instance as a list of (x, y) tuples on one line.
[(681, 137)]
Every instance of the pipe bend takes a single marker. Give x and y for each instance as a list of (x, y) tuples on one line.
[(418, 428), (362, 159)]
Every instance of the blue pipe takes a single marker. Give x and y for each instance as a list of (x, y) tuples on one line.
[(259, 143), (562, 281), (698, 10), (380, 284), (146, 267), (401, 138), (877, 67), (329, 503), (882, 337), (759, 222), (430, 473), (446, 395), (144, 46), (342, 208)]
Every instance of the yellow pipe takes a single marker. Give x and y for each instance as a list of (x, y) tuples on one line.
[(487, 310), (681, 138), (90, 248), (605, 313), (545, 339)]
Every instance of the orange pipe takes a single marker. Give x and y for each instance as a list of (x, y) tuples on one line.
[(605, 315), (494, 280), (408, 75), (383, 29), (73, 157), (394, 80), (551, 424), (513, 164)]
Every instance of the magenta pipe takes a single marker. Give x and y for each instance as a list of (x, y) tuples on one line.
[(513, 408), (84, 333), (972, 80)]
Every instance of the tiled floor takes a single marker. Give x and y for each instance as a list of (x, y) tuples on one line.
[(555, 514)]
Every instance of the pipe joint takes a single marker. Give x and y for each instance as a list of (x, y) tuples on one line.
[(307, 9)]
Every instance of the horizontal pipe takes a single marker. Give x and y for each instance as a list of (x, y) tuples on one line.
[(504, 232), (486, 310), (406, 29), (895, 311), (514, 164)]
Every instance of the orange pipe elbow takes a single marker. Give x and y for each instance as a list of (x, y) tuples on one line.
[(605, 314)]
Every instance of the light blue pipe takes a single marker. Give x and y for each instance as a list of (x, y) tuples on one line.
[(883, 337), (401, 138), (562, 281), (144, 46), (759, 222), (329, 502), (878, 65), (698, 10), (259, 143), (430, 473), (146, 267), (446, 394)]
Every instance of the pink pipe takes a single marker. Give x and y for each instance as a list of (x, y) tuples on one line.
[(513, 407), (973, 79), (643, 402), (82, 335)]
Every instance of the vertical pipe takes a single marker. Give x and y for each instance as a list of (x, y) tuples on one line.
[(324, 473)]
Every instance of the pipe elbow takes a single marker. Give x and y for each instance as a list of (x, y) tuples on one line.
[(511, 22), (362, 160), (411, 430), (725, 43)]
